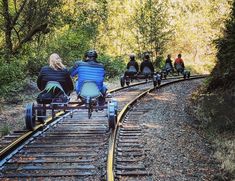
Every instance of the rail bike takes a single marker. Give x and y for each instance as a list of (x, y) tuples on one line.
[(167, 69), (180, 70), (88, 100), (131, 74)]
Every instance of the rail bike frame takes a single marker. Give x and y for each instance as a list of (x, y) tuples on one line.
[(155, 77), (38, 112)]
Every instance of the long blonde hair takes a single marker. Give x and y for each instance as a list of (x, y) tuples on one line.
[(55, 62)]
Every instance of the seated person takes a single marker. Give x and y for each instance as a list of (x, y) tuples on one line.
[(179, 64), (146, 67), (55, 74), (168, 64), (132, 66), (90, 70)]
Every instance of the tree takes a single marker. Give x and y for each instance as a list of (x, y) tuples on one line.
[(151, 24), (224, 72), (23, 20)]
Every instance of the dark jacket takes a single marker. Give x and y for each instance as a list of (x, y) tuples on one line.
[(133, 63), (62, 76), (169, 61), (146, 63)]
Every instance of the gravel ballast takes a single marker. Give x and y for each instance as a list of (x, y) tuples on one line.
[(177, 149)]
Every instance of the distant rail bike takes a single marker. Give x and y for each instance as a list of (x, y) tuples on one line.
[(180, 70), (131, 74), (88, 100)]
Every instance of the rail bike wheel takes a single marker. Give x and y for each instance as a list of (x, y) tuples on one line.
[(188, 76), (154, 83), (90, 108), (165, 75), (158, 82), (112, 121), (30, 116), (112, 113), (122, 81), (41, 115)]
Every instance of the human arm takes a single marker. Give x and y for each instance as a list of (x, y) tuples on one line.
[(74, 70), (136, 66), (69, 83), (39, 80), (151, 67)]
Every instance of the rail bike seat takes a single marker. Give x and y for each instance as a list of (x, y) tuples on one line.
[(168, 67), (89, 90), (131, 71), (179, 68), (53, 94), (146, 71)]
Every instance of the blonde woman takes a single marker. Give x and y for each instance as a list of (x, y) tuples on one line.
[(54, 72)]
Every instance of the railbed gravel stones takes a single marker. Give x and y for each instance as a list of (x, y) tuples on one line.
[(177, 150)]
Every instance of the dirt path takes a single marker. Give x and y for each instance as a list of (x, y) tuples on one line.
[(177, 150)]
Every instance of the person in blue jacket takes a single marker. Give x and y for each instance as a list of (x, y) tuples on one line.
[(89, 70)]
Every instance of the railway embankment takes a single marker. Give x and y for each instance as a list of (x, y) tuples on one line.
[(215, 112)]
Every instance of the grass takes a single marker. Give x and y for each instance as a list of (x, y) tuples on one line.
[(4, 130), (225, 152)]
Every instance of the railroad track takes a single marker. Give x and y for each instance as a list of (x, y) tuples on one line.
[(70, 148), (127, 152)]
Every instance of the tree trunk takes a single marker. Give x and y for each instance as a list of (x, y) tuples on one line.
[(7, 29)]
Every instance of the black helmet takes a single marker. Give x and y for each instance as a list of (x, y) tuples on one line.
[(132, 56), (91, 54), (146, 55)]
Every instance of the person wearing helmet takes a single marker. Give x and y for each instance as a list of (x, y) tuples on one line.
[(146, 66), (132, 63), (169, 61), (89, 70)]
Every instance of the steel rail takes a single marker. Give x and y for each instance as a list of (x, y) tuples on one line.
[(110, 160)]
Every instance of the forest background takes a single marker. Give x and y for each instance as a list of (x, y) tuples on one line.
[(33, 29)]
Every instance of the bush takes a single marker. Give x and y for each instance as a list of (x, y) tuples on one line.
[(113, 66), (159, 62), (11, 75), (34, 65)]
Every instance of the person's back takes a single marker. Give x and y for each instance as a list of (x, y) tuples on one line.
[(90, 70), (179, 60), (168, 63), (55, 72), (146, 64), (132, 64), (179, 64)]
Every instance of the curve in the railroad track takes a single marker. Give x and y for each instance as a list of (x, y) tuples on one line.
[(126, 150), (70, 147)]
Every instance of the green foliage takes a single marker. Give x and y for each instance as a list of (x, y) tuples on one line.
[(115, 28), (10, 72), (159, 62), (151, 24), (113, 66), (34, 65), (4, 130), (224, 72)]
